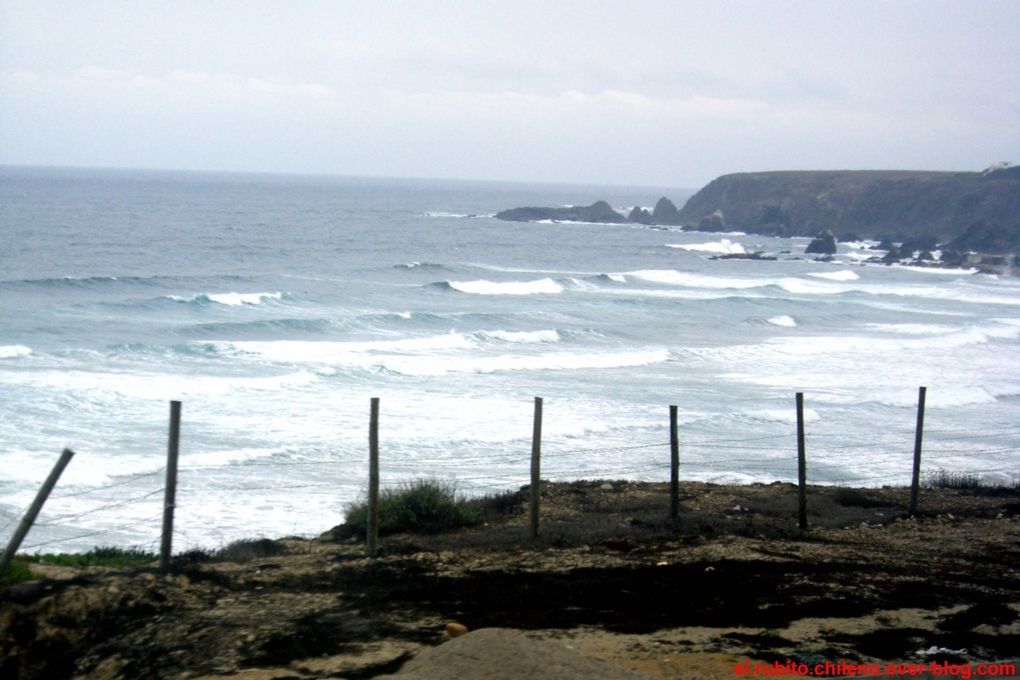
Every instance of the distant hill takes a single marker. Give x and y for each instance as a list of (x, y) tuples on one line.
[(973, 210)]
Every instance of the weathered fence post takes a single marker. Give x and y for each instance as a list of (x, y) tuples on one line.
[(372, 521), (536, 466), (170, 490), (674, 465), (33, 510), (915, 479), (801, 465)]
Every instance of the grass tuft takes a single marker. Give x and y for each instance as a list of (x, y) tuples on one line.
[(421, 506), (946, 479), (103, 556), (16, 572)]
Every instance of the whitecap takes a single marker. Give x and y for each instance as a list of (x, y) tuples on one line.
[(237, 299), (332, 352), (784, 320), (484, 287), (442, 365), (784, 415), (229, 299), (723, 247), (946, 396), (14, 351), (913, 328), (519, 336), (844, 275), (678, 278)]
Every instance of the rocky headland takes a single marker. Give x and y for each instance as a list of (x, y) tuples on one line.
[(957, 212)]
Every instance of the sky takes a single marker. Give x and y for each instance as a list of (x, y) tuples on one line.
[(642, 92)]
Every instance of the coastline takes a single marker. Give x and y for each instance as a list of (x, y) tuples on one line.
[(610, 576)]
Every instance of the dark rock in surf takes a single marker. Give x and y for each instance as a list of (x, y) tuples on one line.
[(640, 216), (823, 244), (665, 212)]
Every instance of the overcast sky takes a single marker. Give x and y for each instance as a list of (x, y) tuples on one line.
[(664, 93)]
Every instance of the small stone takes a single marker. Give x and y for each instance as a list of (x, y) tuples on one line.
[(454, 629)]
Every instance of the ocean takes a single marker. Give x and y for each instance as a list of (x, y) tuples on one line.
[(275, 307)]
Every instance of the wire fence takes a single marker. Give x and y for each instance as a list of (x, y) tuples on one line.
[(732, 459)]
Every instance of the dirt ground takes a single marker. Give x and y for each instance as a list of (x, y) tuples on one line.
[(610, 578)]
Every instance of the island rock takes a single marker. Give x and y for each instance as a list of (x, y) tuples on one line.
[(823, 244), (599, 211), (665, 213)]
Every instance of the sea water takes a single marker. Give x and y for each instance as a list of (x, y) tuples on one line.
[(275, 307)]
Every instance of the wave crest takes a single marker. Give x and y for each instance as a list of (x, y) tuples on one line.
[(14, 351), (545, 286)]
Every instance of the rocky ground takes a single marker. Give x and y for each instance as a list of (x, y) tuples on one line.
[(611, 579)]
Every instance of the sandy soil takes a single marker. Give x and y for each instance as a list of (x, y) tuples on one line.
[(611, 579)]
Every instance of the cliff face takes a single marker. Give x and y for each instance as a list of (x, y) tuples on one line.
[(902, 205)]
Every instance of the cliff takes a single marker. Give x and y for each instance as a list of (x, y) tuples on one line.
[(974, 210)]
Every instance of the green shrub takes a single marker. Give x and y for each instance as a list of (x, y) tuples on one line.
[(16, 572), (421, 506), (104, 556), (499, 504)]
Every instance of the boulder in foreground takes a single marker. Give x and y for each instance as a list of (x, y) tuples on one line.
[(506, 654)]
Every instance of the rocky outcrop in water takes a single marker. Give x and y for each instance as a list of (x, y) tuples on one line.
[(665, 213), (599, 211), (823, 244)]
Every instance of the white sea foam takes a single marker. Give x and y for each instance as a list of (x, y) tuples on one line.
[(519, 336), (484, 287), (14, 351), (440, 213), (148, 386), (945, 271), (616, 278), (343, 353), (783, 320), (843, 275), (442, 365), (229, 299), (913, 328), (677, 278), (237, 299), (944, 397), (784, 415), (723, 247)]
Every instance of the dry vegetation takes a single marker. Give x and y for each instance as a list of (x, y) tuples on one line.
[(611, 576)]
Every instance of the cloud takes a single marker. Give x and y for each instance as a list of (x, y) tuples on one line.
[(128, 85)]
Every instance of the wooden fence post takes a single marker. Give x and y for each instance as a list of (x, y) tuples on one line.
[(372, 521), (915, 479), (536, 467), (33, 510), (674, 464), (170, 490), (801, 465)]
